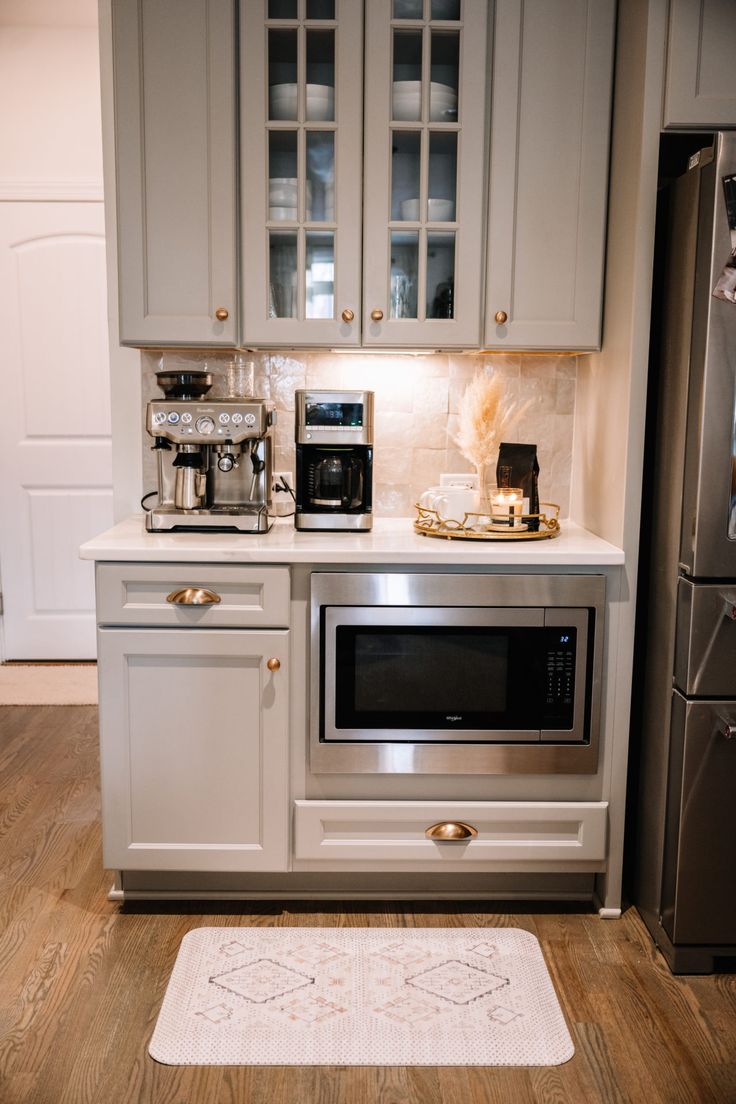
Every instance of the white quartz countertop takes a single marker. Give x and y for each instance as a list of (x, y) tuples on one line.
[(391, 541)]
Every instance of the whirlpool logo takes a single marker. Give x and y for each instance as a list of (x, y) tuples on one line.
[(454, 717)]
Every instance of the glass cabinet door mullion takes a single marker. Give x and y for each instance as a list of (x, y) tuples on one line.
[(426, 74), (422, 276), (423, 193)]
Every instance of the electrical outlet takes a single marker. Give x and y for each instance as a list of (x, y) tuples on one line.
[(278, 479), (281, 501)]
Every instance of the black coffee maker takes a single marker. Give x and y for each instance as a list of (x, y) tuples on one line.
[(334, 459)]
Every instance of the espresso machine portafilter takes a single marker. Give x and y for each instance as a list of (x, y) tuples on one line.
[(213, 458)]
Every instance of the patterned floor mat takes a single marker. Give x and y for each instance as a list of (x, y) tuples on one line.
[(361, 996)]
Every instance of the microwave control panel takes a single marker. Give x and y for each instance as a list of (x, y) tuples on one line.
[(561, 673)]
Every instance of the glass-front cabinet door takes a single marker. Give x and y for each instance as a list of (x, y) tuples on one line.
[(425, 127), (301, 110)]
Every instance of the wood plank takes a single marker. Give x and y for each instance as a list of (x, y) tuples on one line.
[(82, 979)]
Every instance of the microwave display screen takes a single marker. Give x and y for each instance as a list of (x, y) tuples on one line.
[(461, 677), (339, 414)]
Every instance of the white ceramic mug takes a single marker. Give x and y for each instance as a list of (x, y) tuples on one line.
[(450, 503), (427, 497)]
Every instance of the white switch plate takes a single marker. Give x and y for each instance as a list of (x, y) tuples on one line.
[(459, 479)]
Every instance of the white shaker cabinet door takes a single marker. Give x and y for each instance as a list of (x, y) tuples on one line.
[(194, 748), (550, 128), (175, 143)]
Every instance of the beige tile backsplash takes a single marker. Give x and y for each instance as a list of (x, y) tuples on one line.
[(417, 403)]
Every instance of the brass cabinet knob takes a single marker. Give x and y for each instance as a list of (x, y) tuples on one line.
[(273, 664), (376, 315), (221, 314), (193, 596), (348, 315), (451, 831), (501, 317)]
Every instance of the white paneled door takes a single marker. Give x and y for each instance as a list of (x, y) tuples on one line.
[(55, 463)]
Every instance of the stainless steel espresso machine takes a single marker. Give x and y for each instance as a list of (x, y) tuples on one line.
[(334, 460), (214, 457)]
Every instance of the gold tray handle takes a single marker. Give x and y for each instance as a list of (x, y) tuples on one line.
[(451, 831), (193, 596)]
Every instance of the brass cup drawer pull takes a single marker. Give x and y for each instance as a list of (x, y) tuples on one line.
[(193, 596), (451, 831)]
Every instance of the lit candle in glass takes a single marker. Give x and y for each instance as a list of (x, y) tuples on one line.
[(507, 505)]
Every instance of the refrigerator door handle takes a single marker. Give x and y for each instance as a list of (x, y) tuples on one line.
[(729, 608), (726, 728)]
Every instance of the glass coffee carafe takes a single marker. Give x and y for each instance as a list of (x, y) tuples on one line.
[(338, 481)]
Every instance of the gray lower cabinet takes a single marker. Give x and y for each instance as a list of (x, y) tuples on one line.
[(700, 86), (176, 172), (547, 205), (194, 749)]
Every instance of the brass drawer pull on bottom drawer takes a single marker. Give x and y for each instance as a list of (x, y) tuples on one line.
[(450, 831), (193, 596)]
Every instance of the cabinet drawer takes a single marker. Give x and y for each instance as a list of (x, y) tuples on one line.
[(507, 831), (136, 594)]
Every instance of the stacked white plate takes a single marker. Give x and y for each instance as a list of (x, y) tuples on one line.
[(282, 197), (438, 210), (442, 103), (410, 9), (320, 101), (407, 101)]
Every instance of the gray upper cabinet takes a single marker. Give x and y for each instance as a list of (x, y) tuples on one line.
[(363, 195), (551, 105), (426, 99), (700, 85), (365, 203), (301, 127), (175, 121)]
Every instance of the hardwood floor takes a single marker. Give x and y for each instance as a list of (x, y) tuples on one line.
[(81, 979)]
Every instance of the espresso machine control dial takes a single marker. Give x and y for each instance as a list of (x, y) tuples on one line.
[(205, 424), (159, 418), (250, 419)]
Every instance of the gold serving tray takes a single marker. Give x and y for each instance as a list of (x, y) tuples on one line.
[(429, 524)]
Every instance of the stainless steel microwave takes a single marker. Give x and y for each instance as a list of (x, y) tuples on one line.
[(455, 673)]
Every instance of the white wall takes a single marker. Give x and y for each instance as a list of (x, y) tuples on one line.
[(50, 129)]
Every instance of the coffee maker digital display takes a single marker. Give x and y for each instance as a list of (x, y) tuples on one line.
[(334, 459), (342, 414)]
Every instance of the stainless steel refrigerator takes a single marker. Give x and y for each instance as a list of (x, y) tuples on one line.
[(684, 880)]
